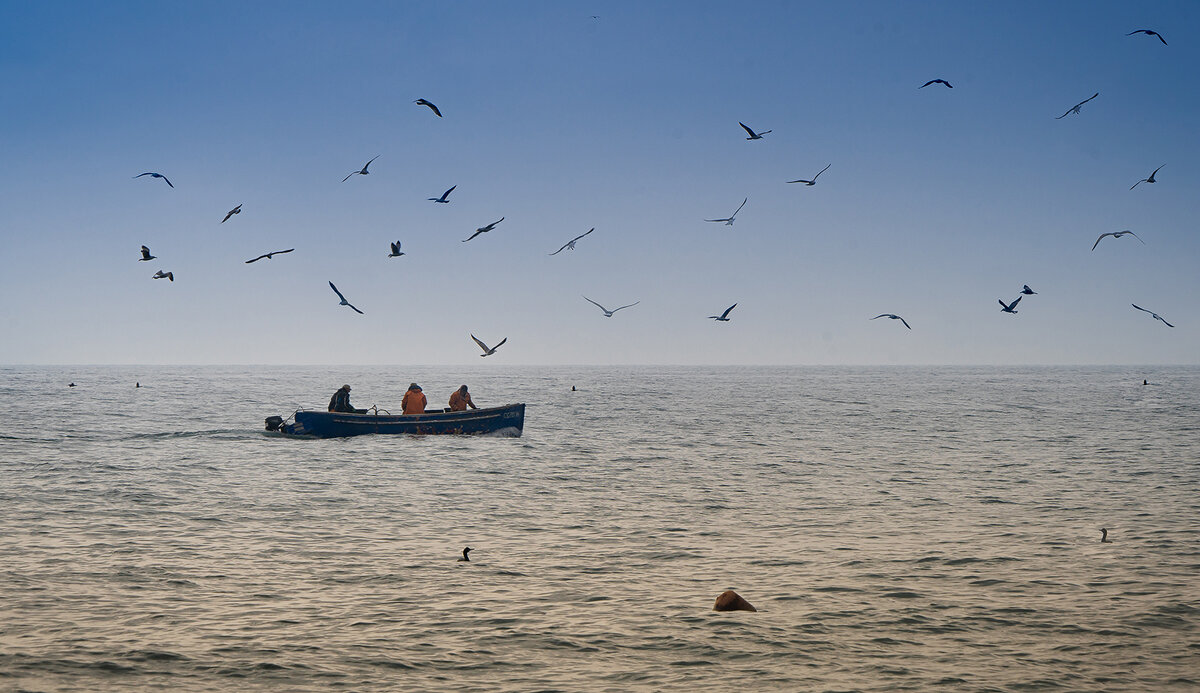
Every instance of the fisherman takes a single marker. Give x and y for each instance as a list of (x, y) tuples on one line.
[(460, 399), (414, 400), (340, 402)]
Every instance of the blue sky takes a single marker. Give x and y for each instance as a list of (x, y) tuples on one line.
[(938, 202)]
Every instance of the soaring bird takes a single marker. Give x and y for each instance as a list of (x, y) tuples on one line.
[(363, 172), (609, 313), (729, 220), (146, 256), (814, 178), (1027, 291), (443, 199), (154, 175), (1146, 180), (465, 557), (936, 81), (723, 317), (1116, 234), (897, 317), (753, 135), (164, 275), (1148, 32), (235, 210), (423, 102), (270, 255), (487, 350), (395, 250), (570, 245), (484, 229), (1075, 109), (344, 302), (1010, 307), (1156, 316)]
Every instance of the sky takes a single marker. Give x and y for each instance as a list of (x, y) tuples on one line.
[(564, 116)]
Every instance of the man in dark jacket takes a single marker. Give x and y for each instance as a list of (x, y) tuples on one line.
[(340, 402)]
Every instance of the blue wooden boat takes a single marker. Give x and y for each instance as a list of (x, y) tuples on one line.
[(506, 420)]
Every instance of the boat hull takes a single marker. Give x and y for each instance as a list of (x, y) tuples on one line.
[(506, 420)]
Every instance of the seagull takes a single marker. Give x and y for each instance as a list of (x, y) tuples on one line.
[(395, 250), (423, 102), (729, 221), (1148, 32), (164, 275), (270, 255), (1104, 536), (1010, 307), (723, 317), (1027, 291), (484, 229), (1147, 180), (235, 210), (443, 199), (936, 81), (897, 317), (571, 243), (154, 175), (753, 135), (1156, 316), (1116, 234), (488, 351), (146, 256), (609, 313), (1075, 109), (363, 172), (814, 178), (344, 301), (465, 557)]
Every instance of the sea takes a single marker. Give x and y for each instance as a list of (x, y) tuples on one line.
[(897, 529)]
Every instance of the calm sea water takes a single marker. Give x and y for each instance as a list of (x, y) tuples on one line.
[(898, 529)]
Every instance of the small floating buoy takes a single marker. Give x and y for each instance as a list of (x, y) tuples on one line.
[(137, 384), (572, 388), (732, 601)]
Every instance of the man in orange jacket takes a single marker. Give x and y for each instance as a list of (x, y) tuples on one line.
[(414, 400), (460, 399)]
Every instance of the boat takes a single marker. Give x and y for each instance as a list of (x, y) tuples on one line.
[(508, 420)]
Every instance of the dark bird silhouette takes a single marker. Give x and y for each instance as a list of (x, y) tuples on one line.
[(395, 250), (1146, 180), (1156, 316), (146, 256), (270, 255), (814, 178), (936, 81), (1148, 32), (1027, 291), (484, 229), (443, 199), (465, 557), (753, 135), (1116, 234), (1075, 109), (235, 210), (344, 302), (1010, 307), (1104, 536), (723, 317), (488, 351), (423, 102), (570, 245), (363, 172), (164, 275), (729, 220), (897, 317), (609, 313), (154, 175)]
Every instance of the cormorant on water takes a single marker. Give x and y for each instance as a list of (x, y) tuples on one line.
[(71, 385), (1104, 536), (137, 384), (465, 557)]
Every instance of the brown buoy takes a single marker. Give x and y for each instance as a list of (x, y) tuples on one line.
[(732, 601)]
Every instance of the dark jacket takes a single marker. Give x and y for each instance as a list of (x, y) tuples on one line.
[(341, 401)]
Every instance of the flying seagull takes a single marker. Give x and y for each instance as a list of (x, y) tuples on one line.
[(897, 317), (270, 255), (723, 317), (1116, 234), (1027, 291), (1148, 32), (488, 351), (1075, 109), (235, 210), (164, 275), (609, 313), (484, 229), (363, 172), (814, 178), (570, 245), (1147, 180), (443, 199), (395, 250), (1010, 307), (344, 301), (1156, 316), (146, 256), (936, 81), (729, 221), (154, 175), (423, 102), (753, 135)]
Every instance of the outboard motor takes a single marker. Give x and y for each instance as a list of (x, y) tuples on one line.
[(274, 422)]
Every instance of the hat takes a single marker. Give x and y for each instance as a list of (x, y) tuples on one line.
[(345, 387), (414, 386)]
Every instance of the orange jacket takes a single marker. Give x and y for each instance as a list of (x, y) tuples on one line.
[(459, 401), (413, 402)]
